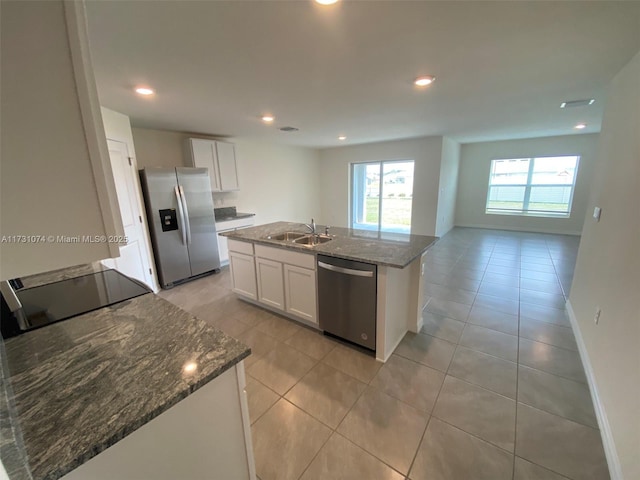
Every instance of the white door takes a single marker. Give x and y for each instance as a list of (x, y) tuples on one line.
[(134, 257)]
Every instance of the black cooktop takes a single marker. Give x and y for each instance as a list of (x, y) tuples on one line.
[(69, 298)]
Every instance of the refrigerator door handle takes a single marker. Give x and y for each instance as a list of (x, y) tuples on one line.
[(183, 228), (186, 214)]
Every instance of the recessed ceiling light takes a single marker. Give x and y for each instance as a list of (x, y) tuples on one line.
[(326, 2), (424, 80), (580, 126), (145, 91), (342, 137), (268, 118), (578, 103)]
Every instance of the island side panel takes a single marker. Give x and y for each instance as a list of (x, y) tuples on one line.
[(397, 306), (203, 436)]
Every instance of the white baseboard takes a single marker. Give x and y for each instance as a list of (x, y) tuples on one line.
[(613, 461), (519, 229)]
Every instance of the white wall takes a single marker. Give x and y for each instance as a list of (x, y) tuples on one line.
[(607, 273), (334, 178), (475, 163), (277, 182), (449, 169)]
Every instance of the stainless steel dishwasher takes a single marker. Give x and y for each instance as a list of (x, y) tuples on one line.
[(347, 299)]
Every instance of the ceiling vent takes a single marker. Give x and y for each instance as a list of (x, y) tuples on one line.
[(578, 103), (288, 129)]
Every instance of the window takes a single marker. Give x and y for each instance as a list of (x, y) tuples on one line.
[(381, 195), (541, 187)]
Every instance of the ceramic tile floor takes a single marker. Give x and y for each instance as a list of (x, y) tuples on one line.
[(491, 388)]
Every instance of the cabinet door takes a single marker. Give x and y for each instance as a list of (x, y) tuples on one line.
[(243, 274), (223, 249), (203, 154), (300, 292), (226, 153), (270, 287)]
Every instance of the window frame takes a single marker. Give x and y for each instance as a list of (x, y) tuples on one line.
[(526, 199), (382, 163)]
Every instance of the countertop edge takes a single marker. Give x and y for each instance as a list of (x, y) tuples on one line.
[(132, 427), (299, 248)]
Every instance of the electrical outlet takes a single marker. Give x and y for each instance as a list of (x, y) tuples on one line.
[(596, 213), (596, 317)]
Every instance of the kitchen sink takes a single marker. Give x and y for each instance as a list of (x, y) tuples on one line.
[(312, 240), (286, 236)]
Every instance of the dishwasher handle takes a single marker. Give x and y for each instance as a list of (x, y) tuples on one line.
[(346, 271)]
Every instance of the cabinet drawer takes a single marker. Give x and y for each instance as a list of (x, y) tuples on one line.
[(225, 225), (242, 247), (304, 260)]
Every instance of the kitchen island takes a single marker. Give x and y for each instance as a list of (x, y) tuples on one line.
[(279, 274), (159, 392)]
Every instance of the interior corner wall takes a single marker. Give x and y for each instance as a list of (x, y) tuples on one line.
[(277, 182), (475, 164), (607, 275), (449, 168), (334, 178)]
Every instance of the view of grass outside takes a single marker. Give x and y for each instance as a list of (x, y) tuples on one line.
[(535, 206), (397, 211)]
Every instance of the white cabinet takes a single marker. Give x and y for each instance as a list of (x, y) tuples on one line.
[(270, 286), (57, 184), (243, 269), (287, 282), (219, 158), (300, 292), (229, 226)]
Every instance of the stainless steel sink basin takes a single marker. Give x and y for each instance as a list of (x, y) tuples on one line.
[(286, 236), (312, 240)]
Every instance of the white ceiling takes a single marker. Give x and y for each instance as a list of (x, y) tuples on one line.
[(502, 68)]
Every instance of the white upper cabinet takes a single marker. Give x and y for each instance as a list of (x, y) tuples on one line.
[(219, 158), (58, 200)]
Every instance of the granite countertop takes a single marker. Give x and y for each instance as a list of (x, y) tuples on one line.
[(78, 386), (381, 248)]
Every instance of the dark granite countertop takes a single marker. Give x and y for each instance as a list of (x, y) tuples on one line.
[(78, 386), (381, 248)]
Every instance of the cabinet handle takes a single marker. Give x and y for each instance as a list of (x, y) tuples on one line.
[(346, 271)]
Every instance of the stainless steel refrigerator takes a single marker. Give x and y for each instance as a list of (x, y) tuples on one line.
[(180, 215)]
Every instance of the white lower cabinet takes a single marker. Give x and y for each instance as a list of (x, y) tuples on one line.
[(270, 287), (243, 274), (300, 292)]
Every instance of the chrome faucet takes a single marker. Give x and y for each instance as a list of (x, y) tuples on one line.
[(311, 226)]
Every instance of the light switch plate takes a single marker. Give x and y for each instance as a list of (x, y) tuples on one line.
[(596, 213)]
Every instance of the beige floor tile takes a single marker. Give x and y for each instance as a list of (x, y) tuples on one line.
[(446, 308), (509, 280), (449, 293), (543, 313), (490, 341), (550, 359), (563, 446), (259, 398), (427, 350), (285, 440), (485, 370), (385, 427), (557, 395), (488, 318), (541, 286), (541, 298), (499, 290), (311, 343), (340, 459), (548, 333), (442, 327), (462, 282), (353, 362), (260, 344), (499, 304), (278, 327), (231, 326), (409, 382), (525, 470), (326, 394), (251, 315), (281, 368), (477, 411), (448, 453)]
